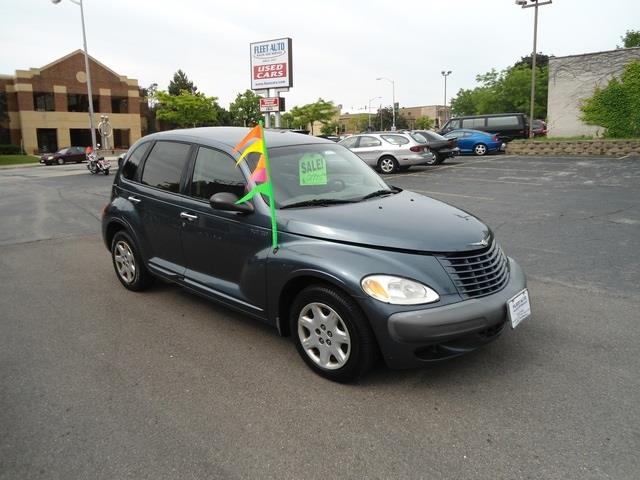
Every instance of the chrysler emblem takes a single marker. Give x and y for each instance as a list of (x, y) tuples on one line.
[(482, 243)]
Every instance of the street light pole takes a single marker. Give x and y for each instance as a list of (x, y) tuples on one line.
[(393, 107), (536, 4), (445, 75), (87, 71), (371, 100)]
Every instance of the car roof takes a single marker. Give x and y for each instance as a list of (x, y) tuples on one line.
[(230, 136)]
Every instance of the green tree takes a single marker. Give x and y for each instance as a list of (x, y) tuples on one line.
[(616, 107), (384, 120), (505, 92), (330, 128), (181, 82), (187, 109), (424, 123), (320, 111), (245, 110), (630, 39), (286, 120)]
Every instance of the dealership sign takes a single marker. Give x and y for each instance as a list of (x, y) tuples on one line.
[(271, 64), (272, 104)]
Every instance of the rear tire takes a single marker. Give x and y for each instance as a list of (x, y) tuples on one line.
[(388, 165), (128, 264), (480, 149), (331, 334)]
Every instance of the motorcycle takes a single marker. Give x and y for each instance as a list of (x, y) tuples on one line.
[(97, 164)]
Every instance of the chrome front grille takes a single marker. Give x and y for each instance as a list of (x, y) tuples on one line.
[(477, 273)]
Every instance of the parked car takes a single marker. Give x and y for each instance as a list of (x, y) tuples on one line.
[(333, 138), (475, 141), (539, 128), (351, 278), (441, 147), (64, 155), (389, 152), (507, 126)]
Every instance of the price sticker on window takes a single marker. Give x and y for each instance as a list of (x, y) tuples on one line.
[(312, 169)]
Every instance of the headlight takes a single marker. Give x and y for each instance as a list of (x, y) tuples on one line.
[(397, 290)]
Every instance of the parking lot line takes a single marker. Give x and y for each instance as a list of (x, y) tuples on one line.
[(508, 169), (430, 192), (497, 181)]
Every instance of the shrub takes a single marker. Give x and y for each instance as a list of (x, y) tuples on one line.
[(616, 107), (10, 150)]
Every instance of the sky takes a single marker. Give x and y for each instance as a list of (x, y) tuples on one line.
[(339, 47)]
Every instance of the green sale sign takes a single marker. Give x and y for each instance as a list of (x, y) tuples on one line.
[(312, 169)]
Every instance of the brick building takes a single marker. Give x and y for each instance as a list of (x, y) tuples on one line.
[(47, 107)]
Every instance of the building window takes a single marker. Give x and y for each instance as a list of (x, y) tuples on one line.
[(47, 140), (44, 101), (121, 138), (119, 105), (79, 102)]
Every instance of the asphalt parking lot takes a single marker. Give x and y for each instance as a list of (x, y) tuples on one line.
[(98, 382)]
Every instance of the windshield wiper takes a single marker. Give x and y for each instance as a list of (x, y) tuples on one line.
[(316, 202), (379, 193)]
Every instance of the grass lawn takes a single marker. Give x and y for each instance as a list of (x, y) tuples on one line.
[(18, 159)]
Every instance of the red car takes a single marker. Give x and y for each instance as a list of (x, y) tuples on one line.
[(64, 155), (539, 128)]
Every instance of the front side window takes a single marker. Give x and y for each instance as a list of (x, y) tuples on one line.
[(395, 139), (165, 164), (130, 167), (369, 142), (215, 172)]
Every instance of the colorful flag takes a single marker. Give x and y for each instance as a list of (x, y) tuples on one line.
[(261, 175)]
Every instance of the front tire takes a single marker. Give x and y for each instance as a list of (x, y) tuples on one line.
[(331, 334), (388, 165), (61, 161), (128, 264), (106, 172), (480, 149)]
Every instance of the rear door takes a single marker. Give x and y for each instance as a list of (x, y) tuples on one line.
[(158, 201), (368, 149)]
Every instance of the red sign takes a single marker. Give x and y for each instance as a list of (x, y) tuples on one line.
[(271, 104), (275, 70)]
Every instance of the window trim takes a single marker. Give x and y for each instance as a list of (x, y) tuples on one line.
[(192, 168), (136, 178)]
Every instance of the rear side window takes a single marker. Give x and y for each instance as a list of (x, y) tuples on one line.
[(473, 122), (502, 122), (215, 172), (130, 167), (369, 142), (395, 139), (164, 166), (349, 142)]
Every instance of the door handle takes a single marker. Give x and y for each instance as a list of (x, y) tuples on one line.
[(188, 216), (134, 199)]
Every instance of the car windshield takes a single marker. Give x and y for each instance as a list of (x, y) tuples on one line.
[(419, 137), (62, 151), (319, 173)]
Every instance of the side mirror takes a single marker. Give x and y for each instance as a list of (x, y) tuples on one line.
[(227, 201)]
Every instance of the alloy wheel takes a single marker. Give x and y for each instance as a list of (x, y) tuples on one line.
[(125, 262), (480, 149), (324, 336), (387, 165)]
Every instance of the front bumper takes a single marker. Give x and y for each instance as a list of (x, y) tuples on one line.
[(439, 333)]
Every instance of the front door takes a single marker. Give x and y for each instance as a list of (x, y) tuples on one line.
[(368, 149), (225, 252)]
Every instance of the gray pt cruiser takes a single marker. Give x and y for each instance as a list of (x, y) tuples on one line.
[(362, 269)]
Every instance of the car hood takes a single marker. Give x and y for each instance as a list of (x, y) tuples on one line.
[(404, 221)]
